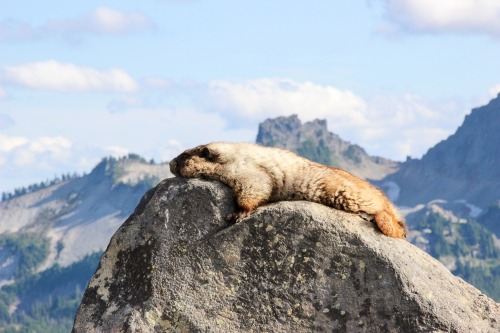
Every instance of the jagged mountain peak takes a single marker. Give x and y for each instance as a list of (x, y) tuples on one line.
[(313, 140), (476, 142)]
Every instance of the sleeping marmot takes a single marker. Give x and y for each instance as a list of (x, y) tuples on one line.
[(260, 175)]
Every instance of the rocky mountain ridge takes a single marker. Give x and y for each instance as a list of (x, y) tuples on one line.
[(465, 166), (80, 215), (313, 141)]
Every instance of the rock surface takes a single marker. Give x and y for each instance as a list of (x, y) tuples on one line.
[(176, 266)]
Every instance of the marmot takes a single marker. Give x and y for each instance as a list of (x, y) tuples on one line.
[(259, 175)]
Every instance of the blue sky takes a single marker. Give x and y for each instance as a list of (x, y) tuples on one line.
[(92, 79)]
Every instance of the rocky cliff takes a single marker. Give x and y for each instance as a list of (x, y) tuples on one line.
[(463, 167), (313, 141), (176, 266)]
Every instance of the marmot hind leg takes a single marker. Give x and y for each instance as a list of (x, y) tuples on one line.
[(390, 225)]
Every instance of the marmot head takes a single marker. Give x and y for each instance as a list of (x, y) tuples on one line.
[(201, 161)]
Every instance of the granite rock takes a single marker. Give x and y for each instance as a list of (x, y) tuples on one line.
[(176, 265)]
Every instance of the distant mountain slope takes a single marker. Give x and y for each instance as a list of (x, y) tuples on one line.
[(313, 140), (491, 220), (464, 166), (466, 246), (79, 216)]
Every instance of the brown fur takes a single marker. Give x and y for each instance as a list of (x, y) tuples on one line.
[(260, 175)]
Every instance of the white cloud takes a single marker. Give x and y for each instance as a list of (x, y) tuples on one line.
[(22, 152), (407, 125), (455, 16), (389, 126), (31, 160), (9, 143), (171, 149), (55, 145), (495, 90), (55, 76), (116, 151), (102, 20), (262, 98), (55, 149)]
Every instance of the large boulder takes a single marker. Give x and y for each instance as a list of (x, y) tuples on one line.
[(176, 265)]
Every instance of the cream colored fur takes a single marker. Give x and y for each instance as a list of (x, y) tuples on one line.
[(260, 175)]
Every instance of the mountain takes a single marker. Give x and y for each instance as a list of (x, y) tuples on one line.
[(450, 199), (313, 141), (467, 246), (465, 166), (79, 216), (490, 219), (51, 239)]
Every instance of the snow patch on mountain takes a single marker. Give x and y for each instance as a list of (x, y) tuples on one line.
[(8, 264), (475, 211)]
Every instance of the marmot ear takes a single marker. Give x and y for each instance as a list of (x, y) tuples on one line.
[(206, 153)]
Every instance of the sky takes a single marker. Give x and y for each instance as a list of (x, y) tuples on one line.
[(90, 79)]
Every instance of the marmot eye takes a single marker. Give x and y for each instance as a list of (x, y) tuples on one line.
[(184, 156), (205, 153)]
